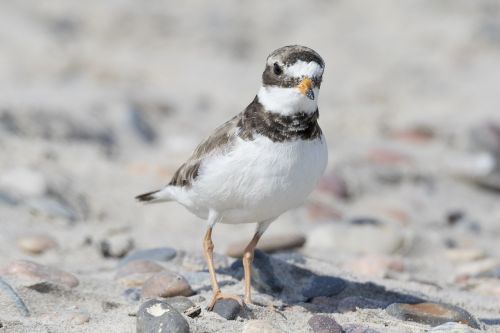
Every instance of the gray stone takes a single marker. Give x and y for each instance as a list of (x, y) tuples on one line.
[(136, 272), (264, 278), (31, 274), (156, 254), (323, 286), (166, 284), (431, 313), (227, 308), (155, 316), (132, 294), (451, 327), (324, 324), (180, 303), (36, 244), (352, 303), (116, 246)]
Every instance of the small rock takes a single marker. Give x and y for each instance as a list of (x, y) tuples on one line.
[(136, 272), (32, 274), (451, 327), (36, 244), (374, 239), (323, 286), (324, 324), (23, 182), (166, 284), (157, 254), (78, 318), (334, 184), (352, 303), (116, 246), (132, 294), (180, 303), (53, 208), (269, 244), (73, 315), (108, 305), (463, 255), (494, 273), (193, 311), (197, 278), (375, 265), (431, 313), (227, 308), (354, 328), (159, 317), (263, 277), (260, 326)]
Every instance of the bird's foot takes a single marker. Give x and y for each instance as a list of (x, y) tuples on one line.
[(219, 295)]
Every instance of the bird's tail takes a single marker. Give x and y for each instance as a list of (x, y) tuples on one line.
[(155, 196)]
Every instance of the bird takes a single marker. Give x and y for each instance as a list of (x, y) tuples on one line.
[(261, 163)]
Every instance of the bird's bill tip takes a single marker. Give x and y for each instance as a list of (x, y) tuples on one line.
[(305, 87)]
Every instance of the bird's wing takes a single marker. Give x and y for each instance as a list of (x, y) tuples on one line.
[(219, 142)]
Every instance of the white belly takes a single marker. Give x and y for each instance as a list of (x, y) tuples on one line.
[(257, 180)]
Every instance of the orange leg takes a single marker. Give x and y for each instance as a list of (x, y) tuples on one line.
[(247, 266), (208, 247)]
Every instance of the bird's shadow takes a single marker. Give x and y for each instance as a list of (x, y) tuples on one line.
[(291, 284)]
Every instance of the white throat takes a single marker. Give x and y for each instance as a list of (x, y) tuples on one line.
[(287, 101)]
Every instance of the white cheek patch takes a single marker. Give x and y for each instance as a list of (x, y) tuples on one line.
[(302, 68), (287, 101)]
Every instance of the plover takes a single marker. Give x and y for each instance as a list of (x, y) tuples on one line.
[(261, 163)]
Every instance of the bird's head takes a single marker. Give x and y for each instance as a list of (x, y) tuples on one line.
[(291, 80)]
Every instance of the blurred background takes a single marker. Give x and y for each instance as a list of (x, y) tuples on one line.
[(103, 100)]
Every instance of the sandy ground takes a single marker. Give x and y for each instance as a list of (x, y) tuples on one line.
[(101, 101)]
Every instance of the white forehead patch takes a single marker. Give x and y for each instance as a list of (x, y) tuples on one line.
[(302, 68)]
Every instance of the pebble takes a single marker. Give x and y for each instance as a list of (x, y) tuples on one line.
[(354, 328), (76, 316), (36, 244), (263, 277), (193, 311), (136, 272), (451, 327), (23, 182), (269, 244), (180, 303), (53, 208), (431, 313), (116, 246), (156, 254), (166, 284), (260, 326), (323, 286), (324, 324), (32, 274), (464, 255), (373, 239), (375, 265), (155, 316), (227, 308), (334, 184), (352, 303), (132, 294)]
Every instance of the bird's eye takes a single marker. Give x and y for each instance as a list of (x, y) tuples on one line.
[(277, 69)]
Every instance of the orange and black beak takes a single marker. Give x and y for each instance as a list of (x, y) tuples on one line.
[(305, 88)]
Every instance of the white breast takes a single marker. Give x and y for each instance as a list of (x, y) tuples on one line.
[(258, 180)]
